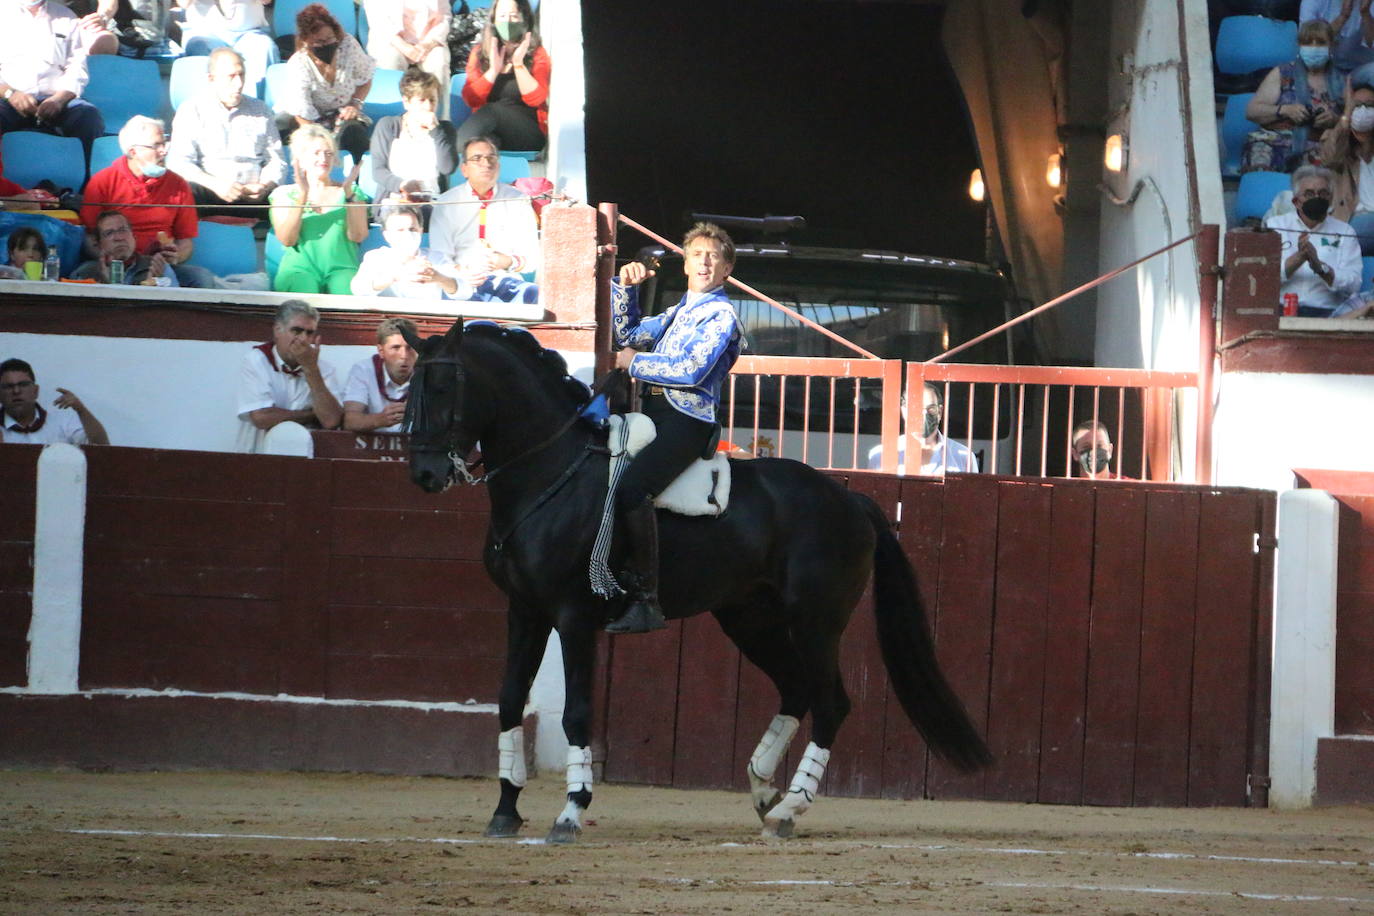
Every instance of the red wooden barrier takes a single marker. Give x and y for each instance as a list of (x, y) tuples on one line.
[(19, 470), (1109, 638)]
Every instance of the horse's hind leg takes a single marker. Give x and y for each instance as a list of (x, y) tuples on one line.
[(819, 653), (525, 641), (771, 652)]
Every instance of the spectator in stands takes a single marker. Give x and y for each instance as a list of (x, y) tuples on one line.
[(507, 84), (1092, 450), (285, 387), (411, 33), (1321, 254), (43, 72), (488, 229), (414, 153), (97, 20), (1352, 25), (939, 454), (1301, 99), (238, 24), (158, 203), (402, 268), (114, 241), (226, 145), (1348, 149), (26, 246), (327, 80), (375, 394), (26, 422), (313, 220)]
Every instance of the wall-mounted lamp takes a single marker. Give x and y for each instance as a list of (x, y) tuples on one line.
[(1054, 171), (976, 190), (1115, 153)]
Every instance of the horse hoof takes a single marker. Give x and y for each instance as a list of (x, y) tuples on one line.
[(503, 826), (762, 808), (563, 833), (777, 828)]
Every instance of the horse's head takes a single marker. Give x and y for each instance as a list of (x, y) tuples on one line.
[(439, 442)]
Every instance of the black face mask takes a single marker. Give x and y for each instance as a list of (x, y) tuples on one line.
[(326, 52), (930, 426), (1094, 461), (1314, 208)]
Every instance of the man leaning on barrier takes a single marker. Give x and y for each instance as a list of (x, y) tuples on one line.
[(26, 421), (285, 387), (378, 385), (1321, 255)]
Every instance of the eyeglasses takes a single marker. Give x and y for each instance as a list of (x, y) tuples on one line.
[(17, 386), (151, 146), (1308, 194), (489, 159), (118, 230)]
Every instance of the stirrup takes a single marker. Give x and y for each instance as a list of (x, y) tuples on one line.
[(642, 615)]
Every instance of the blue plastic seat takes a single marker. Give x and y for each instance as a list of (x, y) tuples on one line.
[(284, 15), (189, 75), (374, 240), (104, 151), (385, 96), (31, 156), (1257, 191), (458, 110), (272, 251), (274, 85), (1249, 43), (1367, 275), (223, 249), (122, 87), (1362, 223), (513, 167), (1235, 127), (362, 27)]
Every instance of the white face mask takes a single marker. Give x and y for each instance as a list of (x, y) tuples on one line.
[(403, 242), (1362, 119)]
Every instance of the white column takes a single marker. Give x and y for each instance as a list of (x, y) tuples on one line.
[(58, 548), (1303, 693)]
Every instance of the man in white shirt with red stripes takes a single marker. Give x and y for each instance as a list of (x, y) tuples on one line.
[(285, 387), (377, 387), (26, 422)]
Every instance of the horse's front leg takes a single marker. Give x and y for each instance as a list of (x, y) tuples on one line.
[(526, 636), (578, 636)]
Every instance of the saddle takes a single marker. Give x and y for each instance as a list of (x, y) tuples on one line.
[(702, 489)]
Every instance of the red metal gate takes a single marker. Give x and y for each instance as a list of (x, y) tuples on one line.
[(1111, 639)]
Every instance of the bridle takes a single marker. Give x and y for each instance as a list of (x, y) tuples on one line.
[(448, 441)]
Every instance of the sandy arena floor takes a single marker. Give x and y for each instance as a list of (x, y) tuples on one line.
[(310, 843)]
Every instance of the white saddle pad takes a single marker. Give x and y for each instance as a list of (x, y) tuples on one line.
[(702, 489)]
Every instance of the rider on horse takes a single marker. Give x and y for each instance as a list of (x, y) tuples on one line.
[(690, 349)]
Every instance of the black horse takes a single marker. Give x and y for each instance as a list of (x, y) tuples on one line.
[(781, 570)]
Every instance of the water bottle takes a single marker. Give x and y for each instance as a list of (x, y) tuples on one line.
[(116, 271), (52, 265)]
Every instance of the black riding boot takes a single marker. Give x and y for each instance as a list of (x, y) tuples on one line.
[(642, 613)]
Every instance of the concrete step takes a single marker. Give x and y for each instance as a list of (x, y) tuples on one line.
[(1345, 765)]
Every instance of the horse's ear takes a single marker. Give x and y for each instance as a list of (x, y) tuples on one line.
[(413, 340), (454, 337)]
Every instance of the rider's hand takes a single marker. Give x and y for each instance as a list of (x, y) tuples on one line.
[(634, 273)]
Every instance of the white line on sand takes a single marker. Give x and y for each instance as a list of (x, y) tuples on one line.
[(1177, 891)]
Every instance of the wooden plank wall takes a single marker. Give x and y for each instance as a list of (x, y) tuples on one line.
[(339, 579), (1109, 639), (19, 471)]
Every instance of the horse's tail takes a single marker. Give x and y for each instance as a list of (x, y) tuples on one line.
[(909, 654)]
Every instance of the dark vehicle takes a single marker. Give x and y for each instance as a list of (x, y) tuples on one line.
[(896, 306)]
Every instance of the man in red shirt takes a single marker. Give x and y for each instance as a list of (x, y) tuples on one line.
[(164, 222)]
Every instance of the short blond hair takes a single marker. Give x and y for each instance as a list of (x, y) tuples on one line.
[(393, 326)]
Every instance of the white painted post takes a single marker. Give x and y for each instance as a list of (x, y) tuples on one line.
[(1303, 692), (58, 561)]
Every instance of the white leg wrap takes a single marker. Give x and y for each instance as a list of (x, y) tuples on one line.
[(772, 746), (512, 749), (805, 784), (579, 769)]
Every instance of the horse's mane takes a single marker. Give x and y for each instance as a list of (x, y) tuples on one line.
[(547, 365)]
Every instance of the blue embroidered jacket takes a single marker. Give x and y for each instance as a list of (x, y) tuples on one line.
[(692, 347)]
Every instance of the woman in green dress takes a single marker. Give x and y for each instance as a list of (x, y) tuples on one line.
[(321, 235)]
